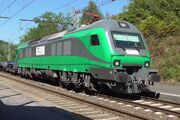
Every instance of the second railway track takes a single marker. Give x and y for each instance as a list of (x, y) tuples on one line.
[(115, 109)]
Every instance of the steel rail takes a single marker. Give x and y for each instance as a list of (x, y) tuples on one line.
[(161, 101), (157, 109)]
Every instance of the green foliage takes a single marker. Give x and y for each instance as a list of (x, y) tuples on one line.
[(13, 51), (4, 51), (91, 8), (157, 17), (48, 23), (166, 56)]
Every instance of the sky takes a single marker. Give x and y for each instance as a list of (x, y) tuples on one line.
[(11, 30)]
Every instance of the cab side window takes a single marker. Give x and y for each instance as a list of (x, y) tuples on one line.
[(94, 40)]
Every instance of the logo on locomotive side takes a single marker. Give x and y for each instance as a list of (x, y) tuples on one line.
[(40, 50)]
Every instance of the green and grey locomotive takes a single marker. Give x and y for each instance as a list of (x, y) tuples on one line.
[(105, 53)]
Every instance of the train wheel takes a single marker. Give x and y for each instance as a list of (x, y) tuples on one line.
[(89, 91), (89, 86), (76, 81), (66, 80), (63, 79), (78, 85)]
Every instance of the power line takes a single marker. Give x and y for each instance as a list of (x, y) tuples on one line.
[(4, 17), (105, 2), (10, 40), (8, 6), (60, 7), (34, 20), (100, 5), (18, 31), (17, 12), (65, 5)]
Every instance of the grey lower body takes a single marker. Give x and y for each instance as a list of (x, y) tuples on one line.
[(120, 81)]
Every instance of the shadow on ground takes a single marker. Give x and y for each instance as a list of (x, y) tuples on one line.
[(21, 112)]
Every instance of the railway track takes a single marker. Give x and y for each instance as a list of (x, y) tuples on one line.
[(96, 107), (157, 105)]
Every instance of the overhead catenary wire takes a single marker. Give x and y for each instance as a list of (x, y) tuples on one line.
[(18, 31), (65, 5), (8, 6), (98, 6), (58, 8), (102, 3), (16, 13), (105, 2)]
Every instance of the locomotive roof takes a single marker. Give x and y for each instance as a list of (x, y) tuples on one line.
[(109, 25), (23, 45), (106, 24), (53, 36)]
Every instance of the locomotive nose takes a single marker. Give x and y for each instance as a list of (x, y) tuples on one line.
[(120, 61)]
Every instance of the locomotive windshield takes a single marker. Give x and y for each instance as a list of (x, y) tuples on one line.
[(128, 40)]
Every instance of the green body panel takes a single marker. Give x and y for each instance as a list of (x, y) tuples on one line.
[(129, 60), (104, 52), (65, 63)]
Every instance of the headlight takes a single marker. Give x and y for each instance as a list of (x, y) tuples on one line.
[(116, 63), (146, 64)]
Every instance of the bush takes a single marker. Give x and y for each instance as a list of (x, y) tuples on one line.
[(166, 57)]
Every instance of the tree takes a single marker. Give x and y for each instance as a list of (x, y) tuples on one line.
[(4, 50), (91, 8), (48, 23), (158, 17)]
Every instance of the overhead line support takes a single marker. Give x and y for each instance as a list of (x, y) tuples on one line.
[(4, 17)]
